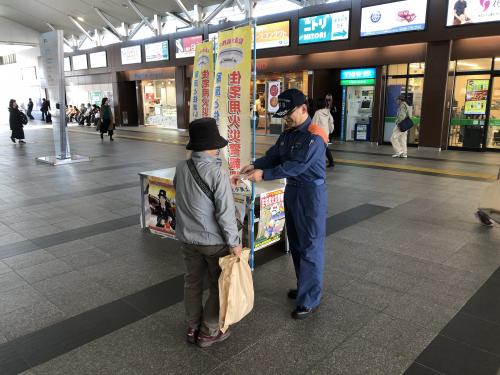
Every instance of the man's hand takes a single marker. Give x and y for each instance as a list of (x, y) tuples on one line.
[(247, 169), (256, 175), (234, 180), (236, 250)]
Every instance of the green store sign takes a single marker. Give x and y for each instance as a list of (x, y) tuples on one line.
[(357, 82)]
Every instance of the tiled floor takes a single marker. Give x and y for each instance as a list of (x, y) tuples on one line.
[(411, 281)]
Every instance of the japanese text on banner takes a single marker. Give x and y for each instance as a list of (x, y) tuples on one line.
[(203, 71)]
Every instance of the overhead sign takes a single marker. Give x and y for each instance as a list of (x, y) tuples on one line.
[(131, 55), (67, 64), (79, 62), (185, 47), (273, 35), (363, 73), (395, 17), (472, 11), (324, 28), (98, 60), (156, 51)]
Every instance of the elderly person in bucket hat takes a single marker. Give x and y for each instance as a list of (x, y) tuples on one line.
[(207, 227)]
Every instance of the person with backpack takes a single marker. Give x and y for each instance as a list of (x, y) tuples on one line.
[(17, 120), (324, 119), (206, 225)]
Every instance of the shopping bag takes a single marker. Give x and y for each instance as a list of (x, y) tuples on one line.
[(490, 197), (236, 293)]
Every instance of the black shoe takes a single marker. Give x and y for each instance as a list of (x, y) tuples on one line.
[(192, 335), (302, 312), (102, 135), (331, 165), (292, 294), (13, 139), (111, 138), (21, 141)]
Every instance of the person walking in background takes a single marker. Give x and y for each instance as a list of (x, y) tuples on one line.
[(324, 119), (106, 117), (30, 109), (399, 138), (16, 120), (206, 227), (44, 108)]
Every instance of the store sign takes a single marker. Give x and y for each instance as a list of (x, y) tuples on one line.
[(357, 82), (272, 218), (67, 64), (476, 96), (98, 60), (324, 28), (79, 62), (95, 97), (472, 11), (231, 95), (131, 55), (363, 73), (395, 17), (185, 47), (156, 51), (273, 35), (273, 90), (202, 82)]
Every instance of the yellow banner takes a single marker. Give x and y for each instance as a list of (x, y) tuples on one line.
[(231, 96), (201, 87)]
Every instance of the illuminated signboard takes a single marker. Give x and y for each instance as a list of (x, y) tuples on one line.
[(79, 62), (395, 17), (98, 60), (273, 35), (472, 11), (157, 51), (131, 55), (324, 28), (185, 47), (67, 64)]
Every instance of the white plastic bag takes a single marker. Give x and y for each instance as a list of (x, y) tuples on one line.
[(236, 295)]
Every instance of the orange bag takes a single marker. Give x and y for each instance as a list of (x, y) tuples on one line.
[(236, 295)]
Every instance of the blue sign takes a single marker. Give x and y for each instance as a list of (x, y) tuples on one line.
[(364, 73), (324, 28)]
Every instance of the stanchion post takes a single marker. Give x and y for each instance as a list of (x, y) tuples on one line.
[(254, 140)]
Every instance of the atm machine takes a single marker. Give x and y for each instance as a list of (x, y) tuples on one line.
[(357, 115)]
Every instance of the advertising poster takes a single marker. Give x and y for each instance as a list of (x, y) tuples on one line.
[(472, 11), (202, 82), (272, 218), (156, 51), (324, 28), (95, 97), (185, 47), (395, 17), (476, 96), (161, 200), (98, 60), (273, 35), (131, 55), (273, 90), (231, 95)]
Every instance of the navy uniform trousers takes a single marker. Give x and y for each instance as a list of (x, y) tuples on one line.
[(305, 217)]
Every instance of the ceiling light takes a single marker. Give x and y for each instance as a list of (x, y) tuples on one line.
[(80, 19)]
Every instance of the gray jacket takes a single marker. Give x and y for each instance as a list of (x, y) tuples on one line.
[(198, 221)]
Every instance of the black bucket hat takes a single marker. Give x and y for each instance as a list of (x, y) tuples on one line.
[(288, 100), (204, 135)]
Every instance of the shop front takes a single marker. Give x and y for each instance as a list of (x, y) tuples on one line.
[(408, 80), (269, 86), (475, 109), (159, 102)]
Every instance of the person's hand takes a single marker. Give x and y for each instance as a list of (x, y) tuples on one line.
[(256, 175), (236, 250), (247, 169), (234, 180)]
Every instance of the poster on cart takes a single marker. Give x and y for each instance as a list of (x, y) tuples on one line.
[(272, 218), (231, 95), (203, 72), (161, 203)]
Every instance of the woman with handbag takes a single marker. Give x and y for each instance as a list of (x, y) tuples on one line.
[(106, 119), (399, 138), (17, 120)]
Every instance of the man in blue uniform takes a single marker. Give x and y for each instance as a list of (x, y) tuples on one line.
[(299, 156)]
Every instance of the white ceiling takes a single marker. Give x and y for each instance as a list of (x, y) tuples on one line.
[(36, 13)]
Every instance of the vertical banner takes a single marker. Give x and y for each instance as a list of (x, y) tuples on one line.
[(52, 59), (273, 90), (201, 86), (231, 96)]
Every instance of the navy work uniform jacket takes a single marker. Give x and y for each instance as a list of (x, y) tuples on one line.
[(299, 156)]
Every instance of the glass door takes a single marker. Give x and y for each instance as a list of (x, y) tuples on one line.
[(414, 98), (493, 137)]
